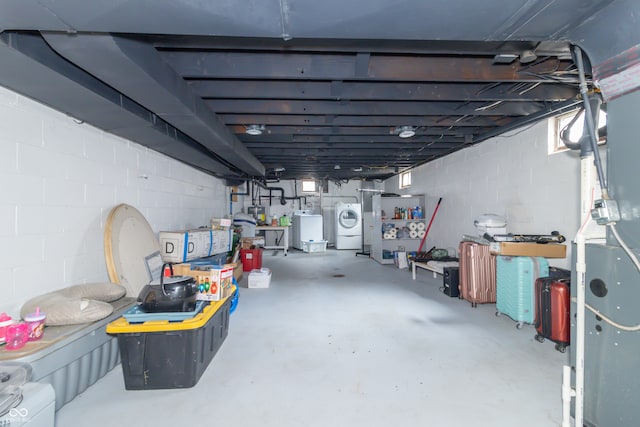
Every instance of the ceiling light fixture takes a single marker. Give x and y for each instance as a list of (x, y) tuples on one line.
[(336, 167), (406, 131), (279, 169), (527, 56), (254, 129), (504, 58)]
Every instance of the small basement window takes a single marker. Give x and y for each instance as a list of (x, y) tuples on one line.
[(405, 179), (308, 186), (559, 122)]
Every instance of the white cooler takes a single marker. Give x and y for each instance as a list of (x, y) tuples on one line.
[(491, 224)]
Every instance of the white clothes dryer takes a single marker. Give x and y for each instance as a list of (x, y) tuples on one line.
[(348, 225)]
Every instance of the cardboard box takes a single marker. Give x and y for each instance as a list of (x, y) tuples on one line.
[(215, 282), (221, 241), (251, 242), (237, 272), (547, 250), (259, 279), (185, 245)]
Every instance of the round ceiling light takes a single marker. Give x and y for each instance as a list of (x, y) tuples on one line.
[(406, 132), (527, 57), (254, 130)]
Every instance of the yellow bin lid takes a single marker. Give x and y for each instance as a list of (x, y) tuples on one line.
[(122, 326)]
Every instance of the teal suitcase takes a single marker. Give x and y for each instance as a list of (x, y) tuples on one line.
[(515, 286)]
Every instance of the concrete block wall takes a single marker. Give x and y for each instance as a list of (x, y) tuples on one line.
[(513, 176), (61, 178)]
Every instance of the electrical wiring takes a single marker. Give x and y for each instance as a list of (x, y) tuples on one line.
[(535, 85), (377, 167), (517, 87), (556, 67), (488, 106), (553, 75), (516, 133), (559, 79), (613, 323), (603, 185), (464, 118), (540, 61), (624, 246), (487, 88)]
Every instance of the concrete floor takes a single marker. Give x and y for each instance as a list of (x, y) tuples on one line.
[(340, 340)]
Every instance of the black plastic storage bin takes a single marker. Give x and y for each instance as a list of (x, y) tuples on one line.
[(175, 357)]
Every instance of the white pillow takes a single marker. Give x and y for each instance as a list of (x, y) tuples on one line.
[(106, 292), (75, 304)]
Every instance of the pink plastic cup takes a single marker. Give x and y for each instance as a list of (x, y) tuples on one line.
[(17, 336), (5, 321), (35, 324)]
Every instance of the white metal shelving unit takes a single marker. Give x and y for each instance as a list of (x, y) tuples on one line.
[(383, 211)]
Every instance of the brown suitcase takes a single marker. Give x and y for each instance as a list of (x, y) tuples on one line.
[(477, 273)]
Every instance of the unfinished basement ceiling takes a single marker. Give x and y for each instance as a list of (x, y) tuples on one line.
[(299, 89)]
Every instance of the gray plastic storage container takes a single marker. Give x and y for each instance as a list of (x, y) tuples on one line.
[(72, 358)]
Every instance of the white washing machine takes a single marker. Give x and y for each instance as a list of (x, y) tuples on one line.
[(348, 226), (306, 227)]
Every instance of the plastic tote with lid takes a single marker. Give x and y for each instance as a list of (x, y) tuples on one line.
[(491, 224)]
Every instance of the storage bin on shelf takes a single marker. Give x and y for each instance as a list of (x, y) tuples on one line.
[(161, 354), (387, 254)]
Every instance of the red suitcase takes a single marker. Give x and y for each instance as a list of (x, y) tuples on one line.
[(552, 311), (477, 273)]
